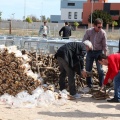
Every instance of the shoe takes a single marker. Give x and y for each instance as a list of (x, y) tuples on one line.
[(77, 96), (113, 100), (85, 90)]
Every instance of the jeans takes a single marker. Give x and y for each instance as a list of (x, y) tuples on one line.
[(116, 82), (65, 69), (91, 56)]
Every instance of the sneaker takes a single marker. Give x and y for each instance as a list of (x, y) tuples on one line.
[(86, 90), (113, 100), (77, 96)]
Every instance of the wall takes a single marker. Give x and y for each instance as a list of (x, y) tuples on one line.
[(24, 25), (87, 7), (64, 14)]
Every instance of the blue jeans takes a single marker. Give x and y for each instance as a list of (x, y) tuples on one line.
[(90, 58), (66, 70), (116, 82)]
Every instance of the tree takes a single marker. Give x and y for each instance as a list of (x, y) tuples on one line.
[(119, 21), (107, 19), (0, 16), (114, 23), (48, 19), (43, 18), (34, 19), (29, 20), (76, 24)]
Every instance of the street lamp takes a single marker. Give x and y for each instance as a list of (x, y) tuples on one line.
[(91, 11), (24, 9), (13, 15)]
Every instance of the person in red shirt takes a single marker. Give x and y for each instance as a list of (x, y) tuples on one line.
[(113, 73)]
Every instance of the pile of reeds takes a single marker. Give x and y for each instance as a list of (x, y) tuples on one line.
[(48, 68), (15, 72)]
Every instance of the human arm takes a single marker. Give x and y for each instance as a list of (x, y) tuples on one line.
[(86, 36), (104, 43), (70, 32), (41, 29), (113, 69), (60, 31), (103, 86), (48, 30)]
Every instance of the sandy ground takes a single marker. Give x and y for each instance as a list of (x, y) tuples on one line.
[(86, 108), (82, 109)]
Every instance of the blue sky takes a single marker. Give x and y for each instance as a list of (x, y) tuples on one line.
[(16, 9)]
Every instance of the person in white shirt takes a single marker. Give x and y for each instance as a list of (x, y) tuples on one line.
[(44, 30)]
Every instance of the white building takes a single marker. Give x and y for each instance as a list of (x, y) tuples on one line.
[(71, 10)]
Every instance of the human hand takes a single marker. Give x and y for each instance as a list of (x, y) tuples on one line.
[(109, 80), (84, 73), (102, 87)]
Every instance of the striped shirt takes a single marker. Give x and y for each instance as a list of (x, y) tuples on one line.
[(98, 39)]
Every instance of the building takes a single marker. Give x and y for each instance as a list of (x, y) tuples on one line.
[(56, 19), (71, 11), (112, 8)]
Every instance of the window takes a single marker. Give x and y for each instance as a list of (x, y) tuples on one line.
[(114, 12), (71, 4), (69, 15), (75, 15)]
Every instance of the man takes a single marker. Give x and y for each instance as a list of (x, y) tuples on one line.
[(97, 36), (66, 31), (70, 59), (44, 30), (113, 73)]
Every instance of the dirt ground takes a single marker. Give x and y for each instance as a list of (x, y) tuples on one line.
[(82, 109)]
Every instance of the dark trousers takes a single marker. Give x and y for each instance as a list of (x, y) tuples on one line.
[(90, 58), (44, 36), (66, 70), (116, 82)]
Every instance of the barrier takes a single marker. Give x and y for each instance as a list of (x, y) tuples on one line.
[(7, 42), (46, 45), (51, 46)]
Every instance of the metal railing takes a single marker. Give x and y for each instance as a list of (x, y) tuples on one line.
[(44, 45)]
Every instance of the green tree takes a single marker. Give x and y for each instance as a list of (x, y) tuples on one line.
[(0, 16), (107, 19), (29, 20), (114, 23), (48, 19), (34, 19), (119, 21), (76, 24)]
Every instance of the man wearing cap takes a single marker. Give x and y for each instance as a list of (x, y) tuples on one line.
[(71, 59)]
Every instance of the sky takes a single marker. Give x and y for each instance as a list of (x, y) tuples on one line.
[(17, 9)]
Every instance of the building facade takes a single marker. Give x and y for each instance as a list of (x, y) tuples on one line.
[(71, 10), (112, 8)]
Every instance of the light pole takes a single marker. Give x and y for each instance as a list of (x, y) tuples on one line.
[(24, 9), (13, 15), (91, 12)]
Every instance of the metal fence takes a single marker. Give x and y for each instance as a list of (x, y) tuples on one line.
[(43, 45)]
